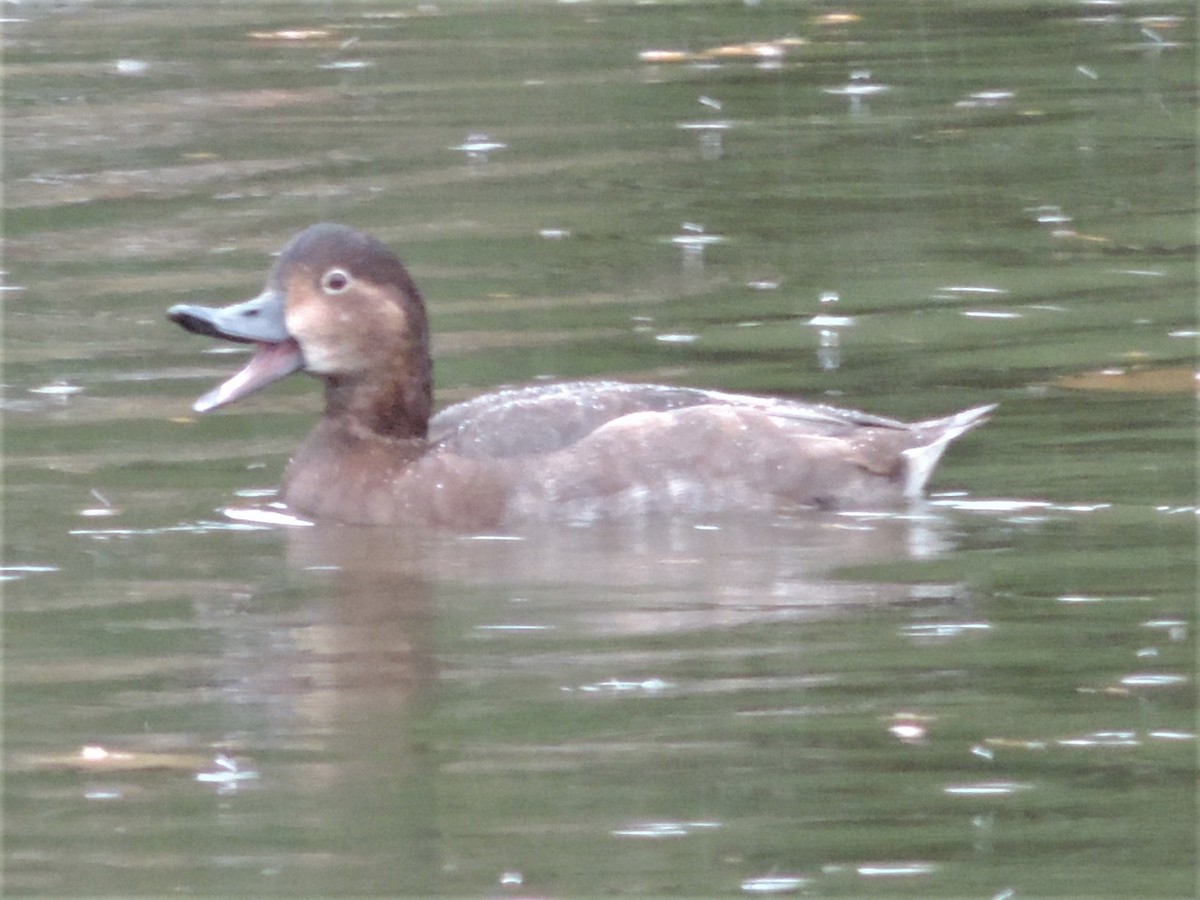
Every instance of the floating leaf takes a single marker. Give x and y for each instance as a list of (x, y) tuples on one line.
[(1134, 380)]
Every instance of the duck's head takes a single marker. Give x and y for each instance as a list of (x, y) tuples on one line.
[(339, 305)]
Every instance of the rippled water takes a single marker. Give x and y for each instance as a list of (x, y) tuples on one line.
[(904, 207)]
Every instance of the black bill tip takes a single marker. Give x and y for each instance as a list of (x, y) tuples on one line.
[(199, 320)]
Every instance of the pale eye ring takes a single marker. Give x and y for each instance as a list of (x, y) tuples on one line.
[(335, 281)]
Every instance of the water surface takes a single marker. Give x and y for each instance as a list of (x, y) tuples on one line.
[(989, 694)]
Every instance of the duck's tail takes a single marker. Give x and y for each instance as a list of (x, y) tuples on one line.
[(935, 436)]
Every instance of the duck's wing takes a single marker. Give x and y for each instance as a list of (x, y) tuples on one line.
[(544, 418)]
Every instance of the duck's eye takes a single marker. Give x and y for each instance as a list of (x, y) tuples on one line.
[(335, 281)]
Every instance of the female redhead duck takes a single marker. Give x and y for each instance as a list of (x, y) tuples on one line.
[(339, 305)]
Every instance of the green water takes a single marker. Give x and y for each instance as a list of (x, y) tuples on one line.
[(991, 693)]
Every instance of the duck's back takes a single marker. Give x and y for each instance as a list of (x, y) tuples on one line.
[(545, 418), (590, 450)]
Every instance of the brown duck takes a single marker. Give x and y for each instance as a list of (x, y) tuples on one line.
[(339, 305)]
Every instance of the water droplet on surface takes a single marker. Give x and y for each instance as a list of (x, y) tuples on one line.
[(478, 147)]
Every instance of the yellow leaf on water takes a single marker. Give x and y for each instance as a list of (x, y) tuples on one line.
[(1134, 380), (837, 18), (95, 758)]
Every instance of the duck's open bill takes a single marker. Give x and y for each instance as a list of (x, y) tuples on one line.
[(257, 321)]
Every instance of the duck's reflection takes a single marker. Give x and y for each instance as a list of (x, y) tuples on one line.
[(363, 629), (365, 614), (360, 671), (624, 578)]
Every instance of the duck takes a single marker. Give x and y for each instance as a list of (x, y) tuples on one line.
[(340, 306)]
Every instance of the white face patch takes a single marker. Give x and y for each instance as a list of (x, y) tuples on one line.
[(318, 360)]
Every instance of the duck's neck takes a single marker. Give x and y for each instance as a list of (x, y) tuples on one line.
[(397, 406)]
